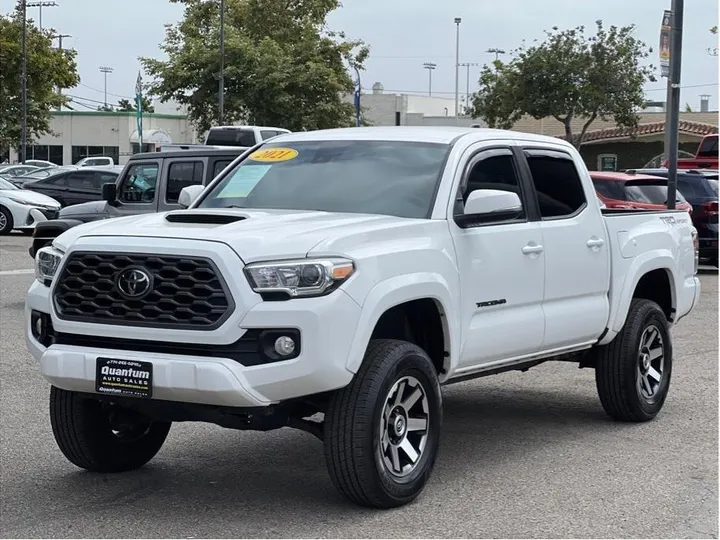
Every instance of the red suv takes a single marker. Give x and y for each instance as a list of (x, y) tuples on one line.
[(638, 191)]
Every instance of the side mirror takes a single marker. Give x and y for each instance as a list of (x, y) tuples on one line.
[(189, 195), (109, 193), (488, 205)]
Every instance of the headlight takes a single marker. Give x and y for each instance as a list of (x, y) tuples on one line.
[(47, 261), (302, 278)]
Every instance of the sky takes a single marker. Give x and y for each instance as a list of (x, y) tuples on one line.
[(402, 35)]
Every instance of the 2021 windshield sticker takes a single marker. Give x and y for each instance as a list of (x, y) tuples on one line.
[(274, 155)]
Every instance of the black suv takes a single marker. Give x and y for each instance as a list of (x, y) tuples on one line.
[(700, 188)]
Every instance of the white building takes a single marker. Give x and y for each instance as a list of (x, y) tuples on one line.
[(381, 109), (77, 134)]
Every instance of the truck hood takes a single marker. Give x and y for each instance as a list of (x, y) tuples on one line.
[(253, 234)]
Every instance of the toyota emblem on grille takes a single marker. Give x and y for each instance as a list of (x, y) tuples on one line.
[(134, 282)]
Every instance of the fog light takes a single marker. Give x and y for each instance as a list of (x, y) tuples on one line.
[(284, 346)]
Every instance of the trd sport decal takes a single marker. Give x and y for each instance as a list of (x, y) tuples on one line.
[(491, 303)]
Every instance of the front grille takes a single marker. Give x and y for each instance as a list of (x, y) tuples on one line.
[(184, 292)]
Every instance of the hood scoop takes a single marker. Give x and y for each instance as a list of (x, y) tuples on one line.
[(203, 219)]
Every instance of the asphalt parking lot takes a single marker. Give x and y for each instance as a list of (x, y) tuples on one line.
[(522, 455)]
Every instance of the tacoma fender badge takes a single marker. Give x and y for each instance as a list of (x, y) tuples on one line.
[(491, 303)]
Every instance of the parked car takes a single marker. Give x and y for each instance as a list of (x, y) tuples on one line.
[(96, 161), (40, 173), (348, 274), (241, 135), (40, 163), (700, 189), (75, 186), (21, 209), (12, 171), (706, 156), (642, 192), (152, 181)]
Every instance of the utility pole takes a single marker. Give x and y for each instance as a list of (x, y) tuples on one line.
[(60, 48), (41, 5), (458, 20), (496, 52), (672, 117), (23, 83), (221, 84), (467, 90), (430, 67), (105, 70)]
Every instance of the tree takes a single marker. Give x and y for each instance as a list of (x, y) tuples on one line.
[(130, 106), (47, 69), (282, 66), (568, 76), (713, 51)]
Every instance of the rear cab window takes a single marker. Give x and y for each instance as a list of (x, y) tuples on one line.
[(231, 137)]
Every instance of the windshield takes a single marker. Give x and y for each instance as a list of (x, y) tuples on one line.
[(368, 177), (4, 184)]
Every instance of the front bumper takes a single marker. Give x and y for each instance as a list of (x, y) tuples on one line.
[(33, 217), (326, 326)]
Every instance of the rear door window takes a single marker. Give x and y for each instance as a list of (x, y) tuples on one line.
[(708, 148), (180, 175), (219, 165), (81, 180), (557, 183)]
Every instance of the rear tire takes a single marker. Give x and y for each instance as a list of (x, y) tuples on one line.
[(382, 431), (633, 371), (6, 221), (102, 438)]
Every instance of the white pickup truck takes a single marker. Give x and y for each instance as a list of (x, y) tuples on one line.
[(346, 275)]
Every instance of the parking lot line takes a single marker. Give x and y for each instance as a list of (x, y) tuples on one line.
[(18, 272)]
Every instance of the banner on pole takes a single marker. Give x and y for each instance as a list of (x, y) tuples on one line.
[(664, 50), (138, 116)]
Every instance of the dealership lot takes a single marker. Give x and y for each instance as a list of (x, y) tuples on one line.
[(522, 455)]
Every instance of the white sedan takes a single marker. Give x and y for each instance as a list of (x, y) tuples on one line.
[(21, 209)]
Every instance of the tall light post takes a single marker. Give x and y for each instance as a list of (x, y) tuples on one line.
[(105, 70), (23, 85), (430, 67), (458, 20), (41, 5), (221, 83), (496, 52), (60, 37), (467, 90), (673, 109)]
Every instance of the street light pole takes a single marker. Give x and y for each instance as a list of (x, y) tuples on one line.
[(430, 67), (673, 110), (221, 84), (496, 51), (467, 90), (105, 70), (60, 48), (41, 5), (458, 20), (23, 90)]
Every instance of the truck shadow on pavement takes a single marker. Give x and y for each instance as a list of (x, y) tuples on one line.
[(232, 474)]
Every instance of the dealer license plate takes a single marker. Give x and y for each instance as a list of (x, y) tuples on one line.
[(123, 377)]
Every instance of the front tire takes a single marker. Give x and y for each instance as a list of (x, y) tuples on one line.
[(382, 431), (102, 438), (633, 371)]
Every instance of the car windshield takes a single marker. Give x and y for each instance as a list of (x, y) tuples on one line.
[(4, 184), (368, 177)]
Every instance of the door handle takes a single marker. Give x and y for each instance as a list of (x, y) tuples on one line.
[(595, 243), (532, 248)]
